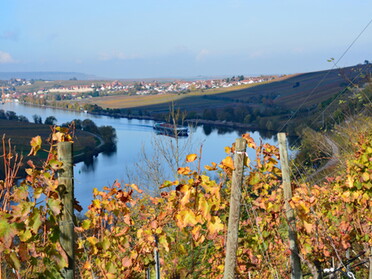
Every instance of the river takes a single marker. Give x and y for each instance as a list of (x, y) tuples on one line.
[(136, 142)]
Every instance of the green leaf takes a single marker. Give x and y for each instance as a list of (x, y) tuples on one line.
[(25, 235), (55, 164), (7, 232), (254, 178), (35, 221), (105, 244), (15, 261), (86, 224)]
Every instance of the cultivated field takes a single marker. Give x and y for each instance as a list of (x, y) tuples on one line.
[(20, 134)]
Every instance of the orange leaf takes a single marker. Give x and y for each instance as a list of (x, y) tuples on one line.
[(126, 262), (135, 187), (250, 141), (191, 158), (87, 265), (211, 168), (308, 227), (184, 171)]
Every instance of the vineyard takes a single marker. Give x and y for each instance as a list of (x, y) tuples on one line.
[(183, 232)]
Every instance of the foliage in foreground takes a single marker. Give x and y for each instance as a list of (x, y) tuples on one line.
[(187, 223)]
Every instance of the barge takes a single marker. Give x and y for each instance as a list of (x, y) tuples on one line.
[(170, 129)]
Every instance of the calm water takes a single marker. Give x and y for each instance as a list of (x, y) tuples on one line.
[(136, 139)]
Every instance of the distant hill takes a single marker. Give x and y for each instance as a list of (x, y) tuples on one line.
[(46, 75)]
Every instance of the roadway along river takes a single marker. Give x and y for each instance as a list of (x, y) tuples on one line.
[(136, 142)]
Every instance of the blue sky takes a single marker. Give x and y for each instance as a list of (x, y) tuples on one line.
[(163, 38)]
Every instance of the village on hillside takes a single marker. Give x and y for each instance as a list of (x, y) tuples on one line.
[(17, 88)]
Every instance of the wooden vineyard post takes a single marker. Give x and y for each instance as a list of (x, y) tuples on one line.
[(296, 272), (370, 263), (66, 190), (234, 212), (157, 260), (148, 273)]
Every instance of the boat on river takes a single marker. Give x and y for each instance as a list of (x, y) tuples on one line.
[(170, 129)]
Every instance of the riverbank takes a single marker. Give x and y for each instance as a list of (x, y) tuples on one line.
[(199, 121), (19, 134)]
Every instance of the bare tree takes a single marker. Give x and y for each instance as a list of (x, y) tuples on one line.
[(167, 155)]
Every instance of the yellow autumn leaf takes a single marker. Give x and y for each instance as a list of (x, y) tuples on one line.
[(304, 207), (216, 226), (92, 240), (35, 145), (228, 149), (186, 218), (246, 161), (191, 158), (365, 176), (212, 167), (204, 207), (228, 162), (186, 198), (57, 137)]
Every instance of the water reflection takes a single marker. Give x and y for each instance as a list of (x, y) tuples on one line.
[(110, 152), (267, 135), (89, 165), (207, 129)]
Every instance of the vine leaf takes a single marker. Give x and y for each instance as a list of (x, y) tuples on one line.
[(35, 145), (228, 162)]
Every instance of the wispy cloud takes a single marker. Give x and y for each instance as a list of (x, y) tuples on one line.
[(5, 57)]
